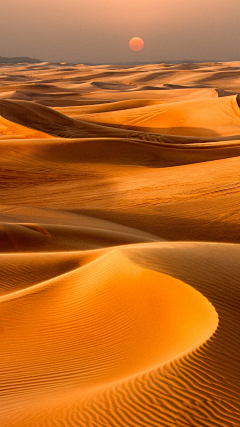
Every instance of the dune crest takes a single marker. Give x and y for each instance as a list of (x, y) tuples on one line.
[(199, 117), (94, 314)]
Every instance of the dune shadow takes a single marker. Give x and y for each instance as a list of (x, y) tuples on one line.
[(123, 151), (173, 226), (45, 119), (178, 131)]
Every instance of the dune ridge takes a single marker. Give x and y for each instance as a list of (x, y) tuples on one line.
[(119, 245), (113, 326)]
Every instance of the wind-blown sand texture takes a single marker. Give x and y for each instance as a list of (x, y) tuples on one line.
[(120, 245)]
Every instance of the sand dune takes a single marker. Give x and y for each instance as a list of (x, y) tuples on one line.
[(47, 120), (45, 237), (119, 245), (113, 303), (201, 117)]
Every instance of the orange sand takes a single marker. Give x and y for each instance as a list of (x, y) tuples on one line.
[(119, 290)]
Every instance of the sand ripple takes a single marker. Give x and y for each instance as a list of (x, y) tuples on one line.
[(100, 322)]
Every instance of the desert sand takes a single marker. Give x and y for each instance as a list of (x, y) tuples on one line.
[(120, 245)]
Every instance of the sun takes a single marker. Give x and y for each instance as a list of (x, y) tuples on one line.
[(136, 43)]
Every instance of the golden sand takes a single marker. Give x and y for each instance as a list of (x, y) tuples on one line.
[(120, 245)]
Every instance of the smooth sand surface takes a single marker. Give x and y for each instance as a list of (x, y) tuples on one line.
[(119, 245)]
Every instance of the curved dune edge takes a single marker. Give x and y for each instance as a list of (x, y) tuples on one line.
[(39, 217), (200, 388), (105, 301), (145, 92), (210, 117), (11, 128), (26, 114), (200, 117), (32, 237), (162, 153)]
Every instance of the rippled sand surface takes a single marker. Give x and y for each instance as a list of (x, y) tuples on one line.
[(120, 245)]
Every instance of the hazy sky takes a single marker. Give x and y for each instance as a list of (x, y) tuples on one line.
[(99, 30)]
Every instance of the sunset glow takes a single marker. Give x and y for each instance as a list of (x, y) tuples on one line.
[(171, 30), (136, 44)]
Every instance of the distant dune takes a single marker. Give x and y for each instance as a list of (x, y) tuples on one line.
[(119, 245)]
